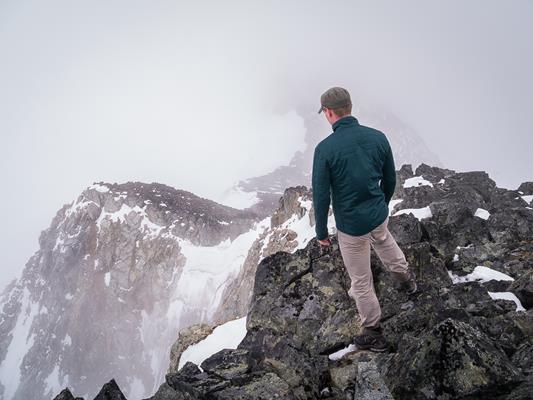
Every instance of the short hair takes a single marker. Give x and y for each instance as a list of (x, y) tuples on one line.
[(342, 111)]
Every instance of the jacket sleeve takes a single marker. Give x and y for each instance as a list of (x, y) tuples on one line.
[(388, 182), (321, 194)]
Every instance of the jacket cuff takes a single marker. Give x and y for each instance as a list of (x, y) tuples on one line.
[(322, 236)]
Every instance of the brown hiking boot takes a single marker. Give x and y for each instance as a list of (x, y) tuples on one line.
[(371, 339)]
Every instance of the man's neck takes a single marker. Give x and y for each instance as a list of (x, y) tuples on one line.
[(337, 118)]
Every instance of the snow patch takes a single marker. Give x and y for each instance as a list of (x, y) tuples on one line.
[(482, 274), (107, 278), (527, 198), (482, 213), (52, 382), (392, 203), (124, 212), (208, 269), (225, 336), (508, 296), (99, 188), (137, 389), (301, 226), (416, 181), (67, 341), (19, 346), (340, 353), (419, 213)]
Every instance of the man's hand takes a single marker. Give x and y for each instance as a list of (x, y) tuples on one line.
[(324, 242)]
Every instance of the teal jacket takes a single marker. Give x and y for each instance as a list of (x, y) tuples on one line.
[(355, 167)]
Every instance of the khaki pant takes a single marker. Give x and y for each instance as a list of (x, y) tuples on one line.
[(355, 251)]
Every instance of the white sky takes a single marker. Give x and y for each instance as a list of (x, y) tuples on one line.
[(199, 95)]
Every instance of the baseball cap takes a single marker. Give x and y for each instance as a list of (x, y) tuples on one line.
[(334, 97)]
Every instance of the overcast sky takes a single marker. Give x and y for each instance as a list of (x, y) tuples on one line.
[(200, 94)]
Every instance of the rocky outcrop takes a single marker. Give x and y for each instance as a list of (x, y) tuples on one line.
[(453, 339), (110, 391)]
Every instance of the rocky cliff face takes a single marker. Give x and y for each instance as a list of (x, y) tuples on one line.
[(119, 271), (466, 334)]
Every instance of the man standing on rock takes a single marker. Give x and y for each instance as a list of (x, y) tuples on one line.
[(355, 165)]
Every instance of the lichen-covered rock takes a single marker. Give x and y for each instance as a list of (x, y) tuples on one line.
[(452, 360), (448, 341)]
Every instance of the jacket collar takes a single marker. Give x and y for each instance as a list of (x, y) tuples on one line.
[(345, 121)]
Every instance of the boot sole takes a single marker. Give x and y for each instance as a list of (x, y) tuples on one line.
[(374, 349)]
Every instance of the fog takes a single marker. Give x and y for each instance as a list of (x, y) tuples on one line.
[(197, 96)]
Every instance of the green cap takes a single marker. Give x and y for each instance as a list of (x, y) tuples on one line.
[(334, 97)]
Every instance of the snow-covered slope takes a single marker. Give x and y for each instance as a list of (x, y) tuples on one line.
[(120, 270)]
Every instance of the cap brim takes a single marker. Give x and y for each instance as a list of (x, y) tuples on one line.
[(321, 108)]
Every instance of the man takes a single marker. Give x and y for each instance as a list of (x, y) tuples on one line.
[(356, 166)]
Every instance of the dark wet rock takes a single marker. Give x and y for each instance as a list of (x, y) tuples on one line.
[(521, 392), (497, 286), (452, 360), (165, 392), (433, 174), (110, 391), (519, 218), (523, 357), (523, 289), (526, 188), (228, 363), (66, 394), (406, 229)]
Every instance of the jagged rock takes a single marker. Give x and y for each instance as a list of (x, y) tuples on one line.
[(343, 375), (526, 188), (433, 174), (521, 392), (110, 391), (405, 172), (66, 394), (187, 337), (300, 311), (356, 376), (523, 289), (447, 341), (166, 392), (452, 360), (289, 205), (405, 229), (369, 383), (228, 363)]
